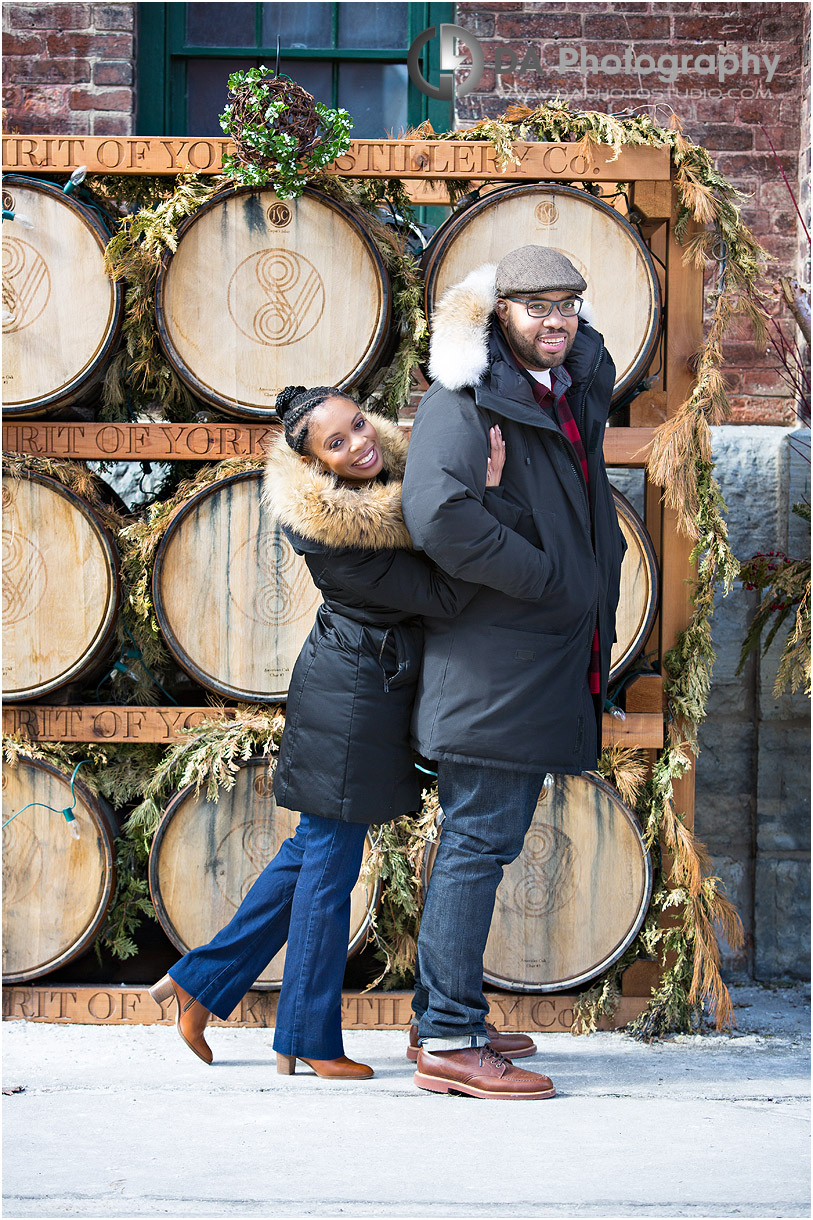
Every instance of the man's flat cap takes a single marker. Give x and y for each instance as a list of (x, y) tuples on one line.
[(537, 269)]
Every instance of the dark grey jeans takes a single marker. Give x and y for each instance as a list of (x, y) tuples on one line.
[(487, 812)]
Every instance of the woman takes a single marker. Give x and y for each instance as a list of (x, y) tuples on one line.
[(333, 481)]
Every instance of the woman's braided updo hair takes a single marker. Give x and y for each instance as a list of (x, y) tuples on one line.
[(293, 406)]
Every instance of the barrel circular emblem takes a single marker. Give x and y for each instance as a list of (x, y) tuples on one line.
[(26, 284), (547, 212), (552, 873), (264, 786), (283, 592), (25, 577), (258, 844), (276, 297), (279, 215)]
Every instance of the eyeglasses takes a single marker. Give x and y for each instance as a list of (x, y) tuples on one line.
[(540, 308)]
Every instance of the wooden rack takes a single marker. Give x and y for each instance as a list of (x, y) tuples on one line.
[(651, 194)]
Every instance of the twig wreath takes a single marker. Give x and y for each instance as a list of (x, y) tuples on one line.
[(283, 137), (689, 904)]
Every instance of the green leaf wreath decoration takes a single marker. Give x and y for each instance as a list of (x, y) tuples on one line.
[(275, 125)]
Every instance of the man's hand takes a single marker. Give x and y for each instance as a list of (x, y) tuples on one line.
[(496, 457)]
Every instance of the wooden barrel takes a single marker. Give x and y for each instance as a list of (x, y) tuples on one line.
[(234, 601), (622, 284), (61, 313), (262, 293), (56, 889), (576, 896), (638, 598), (206, 855), (60, 587)]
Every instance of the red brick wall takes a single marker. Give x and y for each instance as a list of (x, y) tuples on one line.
[(68, 68), (727, 118), (804, 159)]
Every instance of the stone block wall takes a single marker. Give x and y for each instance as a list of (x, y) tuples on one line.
[(753, 773), (68, 69), (752, 776)]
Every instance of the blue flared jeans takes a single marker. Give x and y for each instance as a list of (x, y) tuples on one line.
[(302, 897), (487, 812)]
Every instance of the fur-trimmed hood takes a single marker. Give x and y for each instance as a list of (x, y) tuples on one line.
[(315, 504), (461, 323)]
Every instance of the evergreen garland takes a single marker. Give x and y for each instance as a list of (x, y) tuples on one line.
[(118, 772), (138, 542), (140, 378)]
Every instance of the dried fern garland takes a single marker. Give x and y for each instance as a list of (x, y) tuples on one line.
[(785, 587)]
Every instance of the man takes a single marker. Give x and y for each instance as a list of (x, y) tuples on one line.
[(513, 688)]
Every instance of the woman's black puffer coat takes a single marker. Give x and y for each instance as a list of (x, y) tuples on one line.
[(345, 750)]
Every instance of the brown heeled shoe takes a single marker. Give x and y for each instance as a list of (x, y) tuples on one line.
[(330, 1069), (191, 1018)]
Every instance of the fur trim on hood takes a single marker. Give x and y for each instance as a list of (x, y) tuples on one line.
[(315, 504), (458, 353), (461, 322)]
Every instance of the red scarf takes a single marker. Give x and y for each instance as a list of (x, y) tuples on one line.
[(563, 416)]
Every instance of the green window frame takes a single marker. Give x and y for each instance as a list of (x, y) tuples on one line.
[(163, 54)]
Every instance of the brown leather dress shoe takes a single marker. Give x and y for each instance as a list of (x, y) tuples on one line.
[(191, 1018), (479, 1072), (513, 1046), (330, 1069)]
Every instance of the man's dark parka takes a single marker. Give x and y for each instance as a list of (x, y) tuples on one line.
[(505, 683), (345, 751)]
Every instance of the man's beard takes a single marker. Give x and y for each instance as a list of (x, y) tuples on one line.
[(529, 354)]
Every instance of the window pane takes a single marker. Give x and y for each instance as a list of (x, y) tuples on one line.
[(362, 26), (220, 25), (315, 75), (376, 97), (297, 26), (207, 91)]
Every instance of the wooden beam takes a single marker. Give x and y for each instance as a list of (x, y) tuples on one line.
[(114, 722), (213, 442), (101, 722), (89, 1004), (684, 337), (645, 695), (653, 199), (627, 446), (636, 729), (420, 159)]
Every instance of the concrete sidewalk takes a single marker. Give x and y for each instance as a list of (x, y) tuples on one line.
[(124, 1121)]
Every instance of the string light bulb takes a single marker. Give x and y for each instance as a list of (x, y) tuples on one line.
[(8, 214), (73, 825), (76, 179)]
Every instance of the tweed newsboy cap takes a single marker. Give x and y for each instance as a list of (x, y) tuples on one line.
[(537, 269)]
